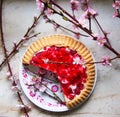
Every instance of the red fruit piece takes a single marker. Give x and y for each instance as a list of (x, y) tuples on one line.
[(60, 61)]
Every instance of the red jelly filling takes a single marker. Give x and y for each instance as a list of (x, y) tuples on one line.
[(66, 64)]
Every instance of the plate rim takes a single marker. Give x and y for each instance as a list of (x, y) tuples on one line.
[(67, 109)]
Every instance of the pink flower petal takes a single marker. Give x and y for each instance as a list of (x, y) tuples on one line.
[(89, 13), (101, 40), (106, 61), (77, 35), (15, 88), (116, 5), (74, 4), (40, 5)]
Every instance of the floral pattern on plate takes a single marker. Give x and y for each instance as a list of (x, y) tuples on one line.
[(30, 86)]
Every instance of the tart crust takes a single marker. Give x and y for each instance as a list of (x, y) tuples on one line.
[(66, 41)]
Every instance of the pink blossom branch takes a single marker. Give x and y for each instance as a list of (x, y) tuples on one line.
[(70, 16), (16, 47), (117, 13), (60, 26), (94, 17), (75, 22), (24, 39), (6, 56), (83, 62), (24, 109), (85, 4), (109, 60), (64, 11), (72, 20), (33, 24), (112, 50), (41, 83), (105, 34), (2, 39)]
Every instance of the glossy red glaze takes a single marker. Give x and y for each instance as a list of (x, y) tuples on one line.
[(60, 61)]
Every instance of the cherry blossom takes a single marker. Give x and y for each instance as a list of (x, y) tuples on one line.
[(42, 88), (77, 35), (74, 5), (84, 4), (82, 22), (116, 14), (10, 78), (15, 88), (73, 87), (55, 26), (84, 1), (106, 61), (48, 12), (40, 5), (106, 32), (8, 74), (28, 107), (46, 18), (36, 80), (89, 13), (116, 4), (29, 82), (101, 40), (21, 106), (38, 84), (75, 27), (34, 84), (76, 60), (23, 38)]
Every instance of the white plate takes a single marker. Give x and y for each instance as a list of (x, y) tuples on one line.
[(40, 99)]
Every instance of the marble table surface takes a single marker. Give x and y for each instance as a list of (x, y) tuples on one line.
[(105, 100)]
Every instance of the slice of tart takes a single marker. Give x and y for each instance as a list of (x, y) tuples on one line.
[(65, 57)]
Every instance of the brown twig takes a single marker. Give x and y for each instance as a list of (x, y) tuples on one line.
[(7, 61), (72, 20), (55, 23), (68, 63), (24, 39), (24, 109), (90, 24), (105, 34), (103, 61), (75, 22), (117, 10), (2, 39)]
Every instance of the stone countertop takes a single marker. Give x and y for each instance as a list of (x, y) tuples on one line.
[(105, 100)]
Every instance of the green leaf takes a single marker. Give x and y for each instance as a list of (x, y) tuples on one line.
[(65, 18)]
